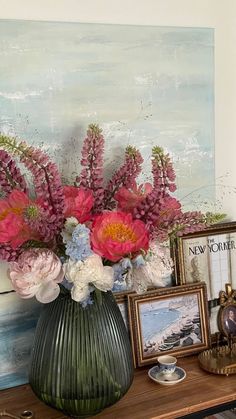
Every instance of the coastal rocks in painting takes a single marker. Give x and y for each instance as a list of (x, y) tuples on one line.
[(18, 319)]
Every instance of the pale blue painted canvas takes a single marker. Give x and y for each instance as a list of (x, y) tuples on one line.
[(18, 319), (144, 85)]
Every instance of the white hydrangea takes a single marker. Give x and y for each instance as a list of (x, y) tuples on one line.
[(84, 274), (157, 268)]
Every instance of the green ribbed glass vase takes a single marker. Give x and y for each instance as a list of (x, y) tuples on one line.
[(81, 358)]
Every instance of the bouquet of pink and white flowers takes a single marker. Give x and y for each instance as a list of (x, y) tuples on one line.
[(93, 234)]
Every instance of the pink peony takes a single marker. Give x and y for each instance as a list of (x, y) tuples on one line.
[(115, 235), (13, 228), (78, 203), (130, 198), (37, 272)]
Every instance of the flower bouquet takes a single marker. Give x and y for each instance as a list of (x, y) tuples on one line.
[(70, 246), (88, 236)]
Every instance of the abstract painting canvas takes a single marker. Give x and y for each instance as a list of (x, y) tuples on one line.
[(18, 319), (144, 85)]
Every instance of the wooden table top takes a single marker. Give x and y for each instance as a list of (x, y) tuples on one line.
[(145, 399)]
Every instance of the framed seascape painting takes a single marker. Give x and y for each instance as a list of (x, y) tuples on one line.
[(169, 321)]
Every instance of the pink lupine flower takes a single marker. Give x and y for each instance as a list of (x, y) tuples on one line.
[(78, 203), (188, 222), (7, 253), (178, 223), (158, 203), (91, 176), (10, 176), (148, 209), (37, 272), (128, 199), (125, 176), (169, 210), (115, 235), (162, 170), (47, 186), (13, 228)]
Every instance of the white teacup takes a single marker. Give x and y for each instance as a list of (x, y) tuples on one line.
[(167, 364)]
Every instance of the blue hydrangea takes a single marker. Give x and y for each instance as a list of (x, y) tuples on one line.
[(89, 301), (78, 248), (138, 261), (66, 284), (120, 270)]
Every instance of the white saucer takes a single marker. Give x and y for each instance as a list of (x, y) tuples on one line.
[(167, 380)]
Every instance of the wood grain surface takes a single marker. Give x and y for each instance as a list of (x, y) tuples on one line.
[(145, 399)]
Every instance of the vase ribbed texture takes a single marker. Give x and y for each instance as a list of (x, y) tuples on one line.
[(81, 357)]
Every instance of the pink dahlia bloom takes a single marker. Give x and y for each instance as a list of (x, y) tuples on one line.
[(78, 203), (130, 198), (13, 228), (37, 272), (115, 235)]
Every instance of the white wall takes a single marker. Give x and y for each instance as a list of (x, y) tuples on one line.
[(217, 14)]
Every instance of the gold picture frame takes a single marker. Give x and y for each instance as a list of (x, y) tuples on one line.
[(170, 320), (122, 302), (209, 256), (227, 312)]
